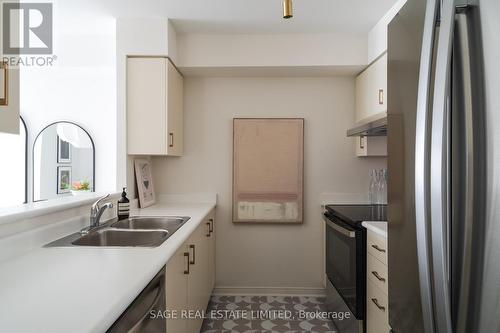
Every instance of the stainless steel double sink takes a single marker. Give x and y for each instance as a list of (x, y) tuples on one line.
[(139, 231)]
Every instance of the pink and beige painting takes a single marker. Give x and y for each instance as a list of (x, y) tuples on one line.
[(268, 160)]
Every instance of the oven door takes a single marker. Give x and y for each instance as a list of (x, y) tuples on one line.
[(346, 262)]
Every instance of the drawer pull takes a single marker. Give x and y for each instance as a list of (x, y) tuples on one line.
[(209, 232), (211, 225), (378, 276), (378, 248), (186, 255), (171, 139), (192, 247), (375, 301)]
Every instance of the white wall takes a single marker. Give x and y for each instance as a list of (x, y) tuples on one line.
[(377, 37), (136, 36), (267, 256), (80, 87)]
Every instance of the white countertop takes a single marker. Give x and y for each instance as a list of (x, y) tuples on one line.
[(378, 227), (85, 289)]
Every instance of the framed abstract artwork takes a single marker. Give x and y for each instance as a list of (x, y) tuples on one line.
[(145, 186), (268, 167)]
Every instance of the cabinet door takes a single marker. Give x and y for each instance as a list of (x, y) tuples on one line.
[(211, 254), (175, 114), (176, 289), (371, 90), (9, 97), (198, 276), (371, 146), (377, 319), (146, 106), (361, 99), (378, 93)]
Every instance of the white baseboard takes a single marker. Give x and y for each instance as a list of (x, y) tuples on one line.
[(269, 291)]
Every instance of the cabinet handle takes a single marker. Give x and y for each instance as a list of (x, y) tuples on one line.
[(381, 96), (194, 253), (4, 100), (378, 248), (378, 276), (361, 142), (171, 139), (375, 301), (211, 221), (209, 231), (186, 255)]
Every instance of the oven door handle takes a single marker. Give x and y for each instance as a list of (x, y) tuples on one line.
[(342, 230)]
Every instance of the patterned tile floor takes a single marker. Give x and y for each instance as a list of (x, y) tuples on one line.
[(266, 314)]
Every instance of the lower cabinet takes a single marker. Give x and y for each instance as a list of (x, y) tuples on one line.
[(377, 305), (377, 310), (190, 279), (176, 291)]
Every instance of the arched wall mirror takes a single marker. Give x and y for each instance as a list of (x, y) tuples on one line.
[(63, 162), (13, 169)]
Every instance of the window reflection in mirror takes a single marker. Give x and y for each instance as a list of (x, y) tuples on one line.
[(13, 149), (63, 162)]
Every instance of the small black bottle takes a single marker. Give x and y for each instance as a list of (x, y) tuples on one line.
[(123, 206)]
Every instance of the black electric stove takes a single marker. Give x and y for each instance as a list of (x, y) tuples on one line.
[(346, 259), (356, 214)]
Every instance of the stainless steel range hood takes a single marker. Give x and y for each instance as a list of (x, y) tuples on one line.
[(375, 125)]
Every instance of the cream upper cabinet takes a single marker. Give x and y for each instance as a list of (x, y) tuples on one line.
[(155, 94), (9, 97), (371, 146), (371, 90)]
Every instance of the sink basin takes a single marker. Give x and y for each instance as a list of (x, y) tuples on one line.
[(169, 223), (120, 237), (140, 231)]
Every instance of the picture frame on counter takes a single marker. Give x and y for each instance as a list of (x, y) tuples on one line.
[(144, 179)]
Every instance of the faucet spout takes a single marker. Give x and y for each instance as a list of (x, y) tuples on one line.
[(100, 211), (96, 212)]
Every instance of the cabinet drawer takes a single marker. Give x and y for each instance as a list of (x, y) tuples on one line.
[(377, 246), (377, 310), (377, 273)]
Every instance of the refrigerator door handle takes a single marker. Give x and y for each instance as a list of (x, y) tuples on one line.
[(422, 144), (467, 179), (439, 182)]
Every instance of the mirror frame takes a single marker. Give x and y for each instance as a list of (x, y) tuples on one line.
[(33, 156)]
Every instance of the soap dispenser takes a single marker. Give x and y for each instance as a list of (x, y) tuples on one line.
[(123, 206)]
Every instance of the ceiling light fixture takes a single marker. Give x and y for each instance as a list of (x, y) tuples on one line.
[(287, 9)]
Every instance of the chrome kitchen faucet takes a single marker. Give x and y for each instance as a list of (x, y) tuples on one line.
[(96, 212)]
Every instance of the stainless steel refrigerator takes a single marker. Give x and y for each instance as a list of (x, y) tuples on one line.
[(444, 167)]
